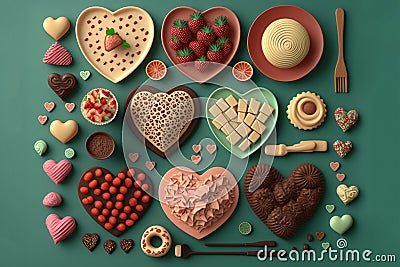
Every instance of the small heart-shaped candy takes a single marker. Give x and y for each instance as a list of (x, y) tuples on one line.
[(330, 208), (196, 148), (334, 165), (56, 28), (52, 199), (347, 194), (345, 119), (42, 119), (40, 147), (320, 235), (90, 240), (60, 229), (70, 106), (341, 176), (57, 55), (211, 149), (49, 106), (341, 224), (62, 85), (64, 131), (57, 171), (109, 246), (325, 245), (150, 165), (342, 148), (126, 245), (133, 157), (196, 159), (85, 74)]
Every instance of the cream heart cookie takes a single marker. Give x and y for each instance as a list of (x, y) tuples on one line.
[(347, 194), (163, 119), (132, 24), (64, 131), (56, 28)]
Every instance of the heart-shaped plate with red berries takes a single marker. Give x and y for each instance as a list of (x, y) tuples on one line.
[(186, 24), (115, 43), (115, 202)]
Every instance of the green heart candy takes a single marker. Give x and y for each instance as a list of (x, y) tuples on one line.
[(40, 147), (325, 245), (341, 224), (330, 208), (85, 74)]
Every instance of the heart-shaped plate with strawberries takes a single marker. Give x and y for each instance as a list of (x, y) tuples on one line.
[(115, 202), (222, 36), (115, 43)]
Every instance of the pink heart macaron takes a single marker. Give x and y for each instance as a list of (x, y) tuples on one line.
[(57, 171), (60, 229), (342, 148)]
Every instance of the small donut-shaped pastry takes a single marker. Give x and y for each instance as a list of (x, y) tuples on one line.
[(306, 111), (156, 231)]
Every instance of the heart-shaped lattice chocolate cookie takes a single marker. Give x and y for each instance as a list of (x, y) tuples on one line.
[(284, 204), (163, 119)]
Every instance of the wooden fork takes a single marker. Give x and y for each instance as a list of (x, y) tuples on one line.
[(340, 76)]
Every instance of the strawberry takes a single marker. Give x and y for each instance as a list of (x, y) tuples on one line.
[(201, 63), (113, 40), (181, 30), (198, 48), (226, 45), (215, 53), (206, 35), (175, 43), (196, 22), (221, 26), (185, 55)]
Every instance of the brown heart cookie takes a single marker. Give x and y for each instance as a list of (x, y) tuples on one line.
[(62, 85), (126, 244), (110, 246), (90, 241), (163, 120), (284, 204)]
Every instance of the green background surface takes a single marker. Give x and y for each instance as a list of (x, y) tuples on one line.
[(371, 43)]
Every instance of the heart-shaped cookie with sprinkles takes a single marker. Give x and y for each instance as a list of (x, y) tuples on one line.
[(342, 148), (345, 119), (115, 202), (162, 120), (131, 39)]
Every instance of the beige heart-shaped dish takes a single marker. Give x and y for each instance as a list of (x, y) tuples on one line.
[(132, 24)]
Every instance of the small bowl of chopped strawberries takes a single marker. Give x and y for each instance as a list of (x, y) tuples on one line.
[(99, 106)]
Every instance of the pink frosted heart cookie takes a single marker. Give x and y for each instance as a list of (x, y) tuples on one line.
[(334, 165), (211, 149), (342, 148), (57, 55), (49, 106), (133, 157), (42, 119), (60, 229), (196, 159), (57, 171), (150, 165), (340, 176), (52, 199), (196, 148), (70, 107), (346, 119)]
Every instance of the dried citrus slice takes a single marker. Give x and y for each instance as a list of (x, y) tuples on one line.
[(156, 70), (242, 71)]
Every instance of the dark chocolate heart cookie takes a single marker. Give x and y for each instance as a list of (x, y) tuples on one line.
[(90, 241), (284, 204), (62, 85), (115, 202)]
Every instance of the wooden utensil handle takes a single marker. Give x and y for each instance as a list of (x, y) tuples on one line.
[(254, 244), (340, 28), (302, 147)]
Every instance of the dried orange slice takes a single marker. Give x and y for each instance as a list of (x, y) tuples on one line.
[(156, 70), (242, 71)]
